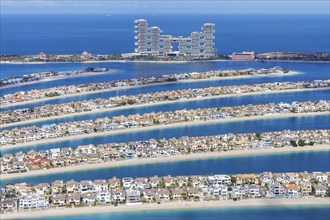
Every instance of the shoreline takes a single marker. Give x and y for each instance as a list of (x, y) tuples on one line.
[(118, 61), (185, 205), (290, 73), (55, 78), (171, 159), (295, 61), (162, 61), (155, 127), (156, 104)]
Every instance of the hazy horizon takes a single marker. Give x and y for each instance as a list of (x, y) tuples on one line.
[(164, 7)]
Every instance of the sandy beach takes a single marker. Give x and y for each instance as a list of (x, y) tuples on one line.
[(170, 206), (54, 78), (290, 73), (166, 62), (154, 104), (195, 156), (124, 61), (155, 127)]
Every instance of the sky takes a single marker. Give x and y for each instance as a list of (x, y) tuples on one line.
[(165, 6)]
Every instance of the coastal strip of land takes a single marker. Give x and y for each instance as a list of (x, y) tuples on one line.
[(33, 96), (177, 158), (174, 61), (54, 78), (61, 156), (170, 206), (148, 104), (162, 126), (6, 105)]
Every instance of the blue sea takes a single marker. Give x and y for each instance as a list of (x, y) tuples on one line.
[(291, 162), (257, 126), (250, 213), (73, 34), (129, 70), (68, 34), (211, 103)]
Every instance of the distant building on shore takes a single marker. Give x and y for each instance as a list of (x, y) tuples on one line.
[(86, 56), (42, 56), (243, 56), (150, 41), (321, 54), (278, 55), (292, 56)]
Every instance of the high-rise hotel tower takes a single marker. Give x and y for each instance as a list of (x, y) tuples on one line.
[(150, 41)]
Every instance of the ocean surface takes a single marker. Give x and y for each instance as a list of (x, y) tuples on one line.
[(291, 162), (248, 213), (211, 103), (257, 126), (67, 34), (101, 34), (309, 71)]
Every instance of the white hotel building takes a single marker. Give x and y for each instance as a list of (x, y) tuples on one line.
[(150, 41)]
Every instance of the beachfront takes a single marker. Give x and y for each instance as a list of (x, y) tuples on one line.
[(92, 88), (41, 113), (73, 146), (148, 193), (90, 157), (24, 136), (51, 76), (305, 202), (144, 161)]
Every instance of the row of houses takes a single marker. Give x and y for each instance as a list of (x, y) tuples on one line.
[(98, 86), (34, 133), (44, 75), (46, 111), (91, 154), (318, 56), (132, 191), (293, 56)]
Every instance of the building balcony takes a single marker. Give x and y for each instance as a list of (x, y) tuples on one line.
[(140, 37), (138, 25), (140, 31), (210, 38), (208, 31)]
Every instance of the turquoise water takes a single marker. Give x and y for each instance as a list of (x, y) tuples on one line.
[(250, 213)]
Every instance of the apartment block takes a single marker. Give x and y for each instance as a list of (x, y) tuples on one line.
[(151, 41)]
